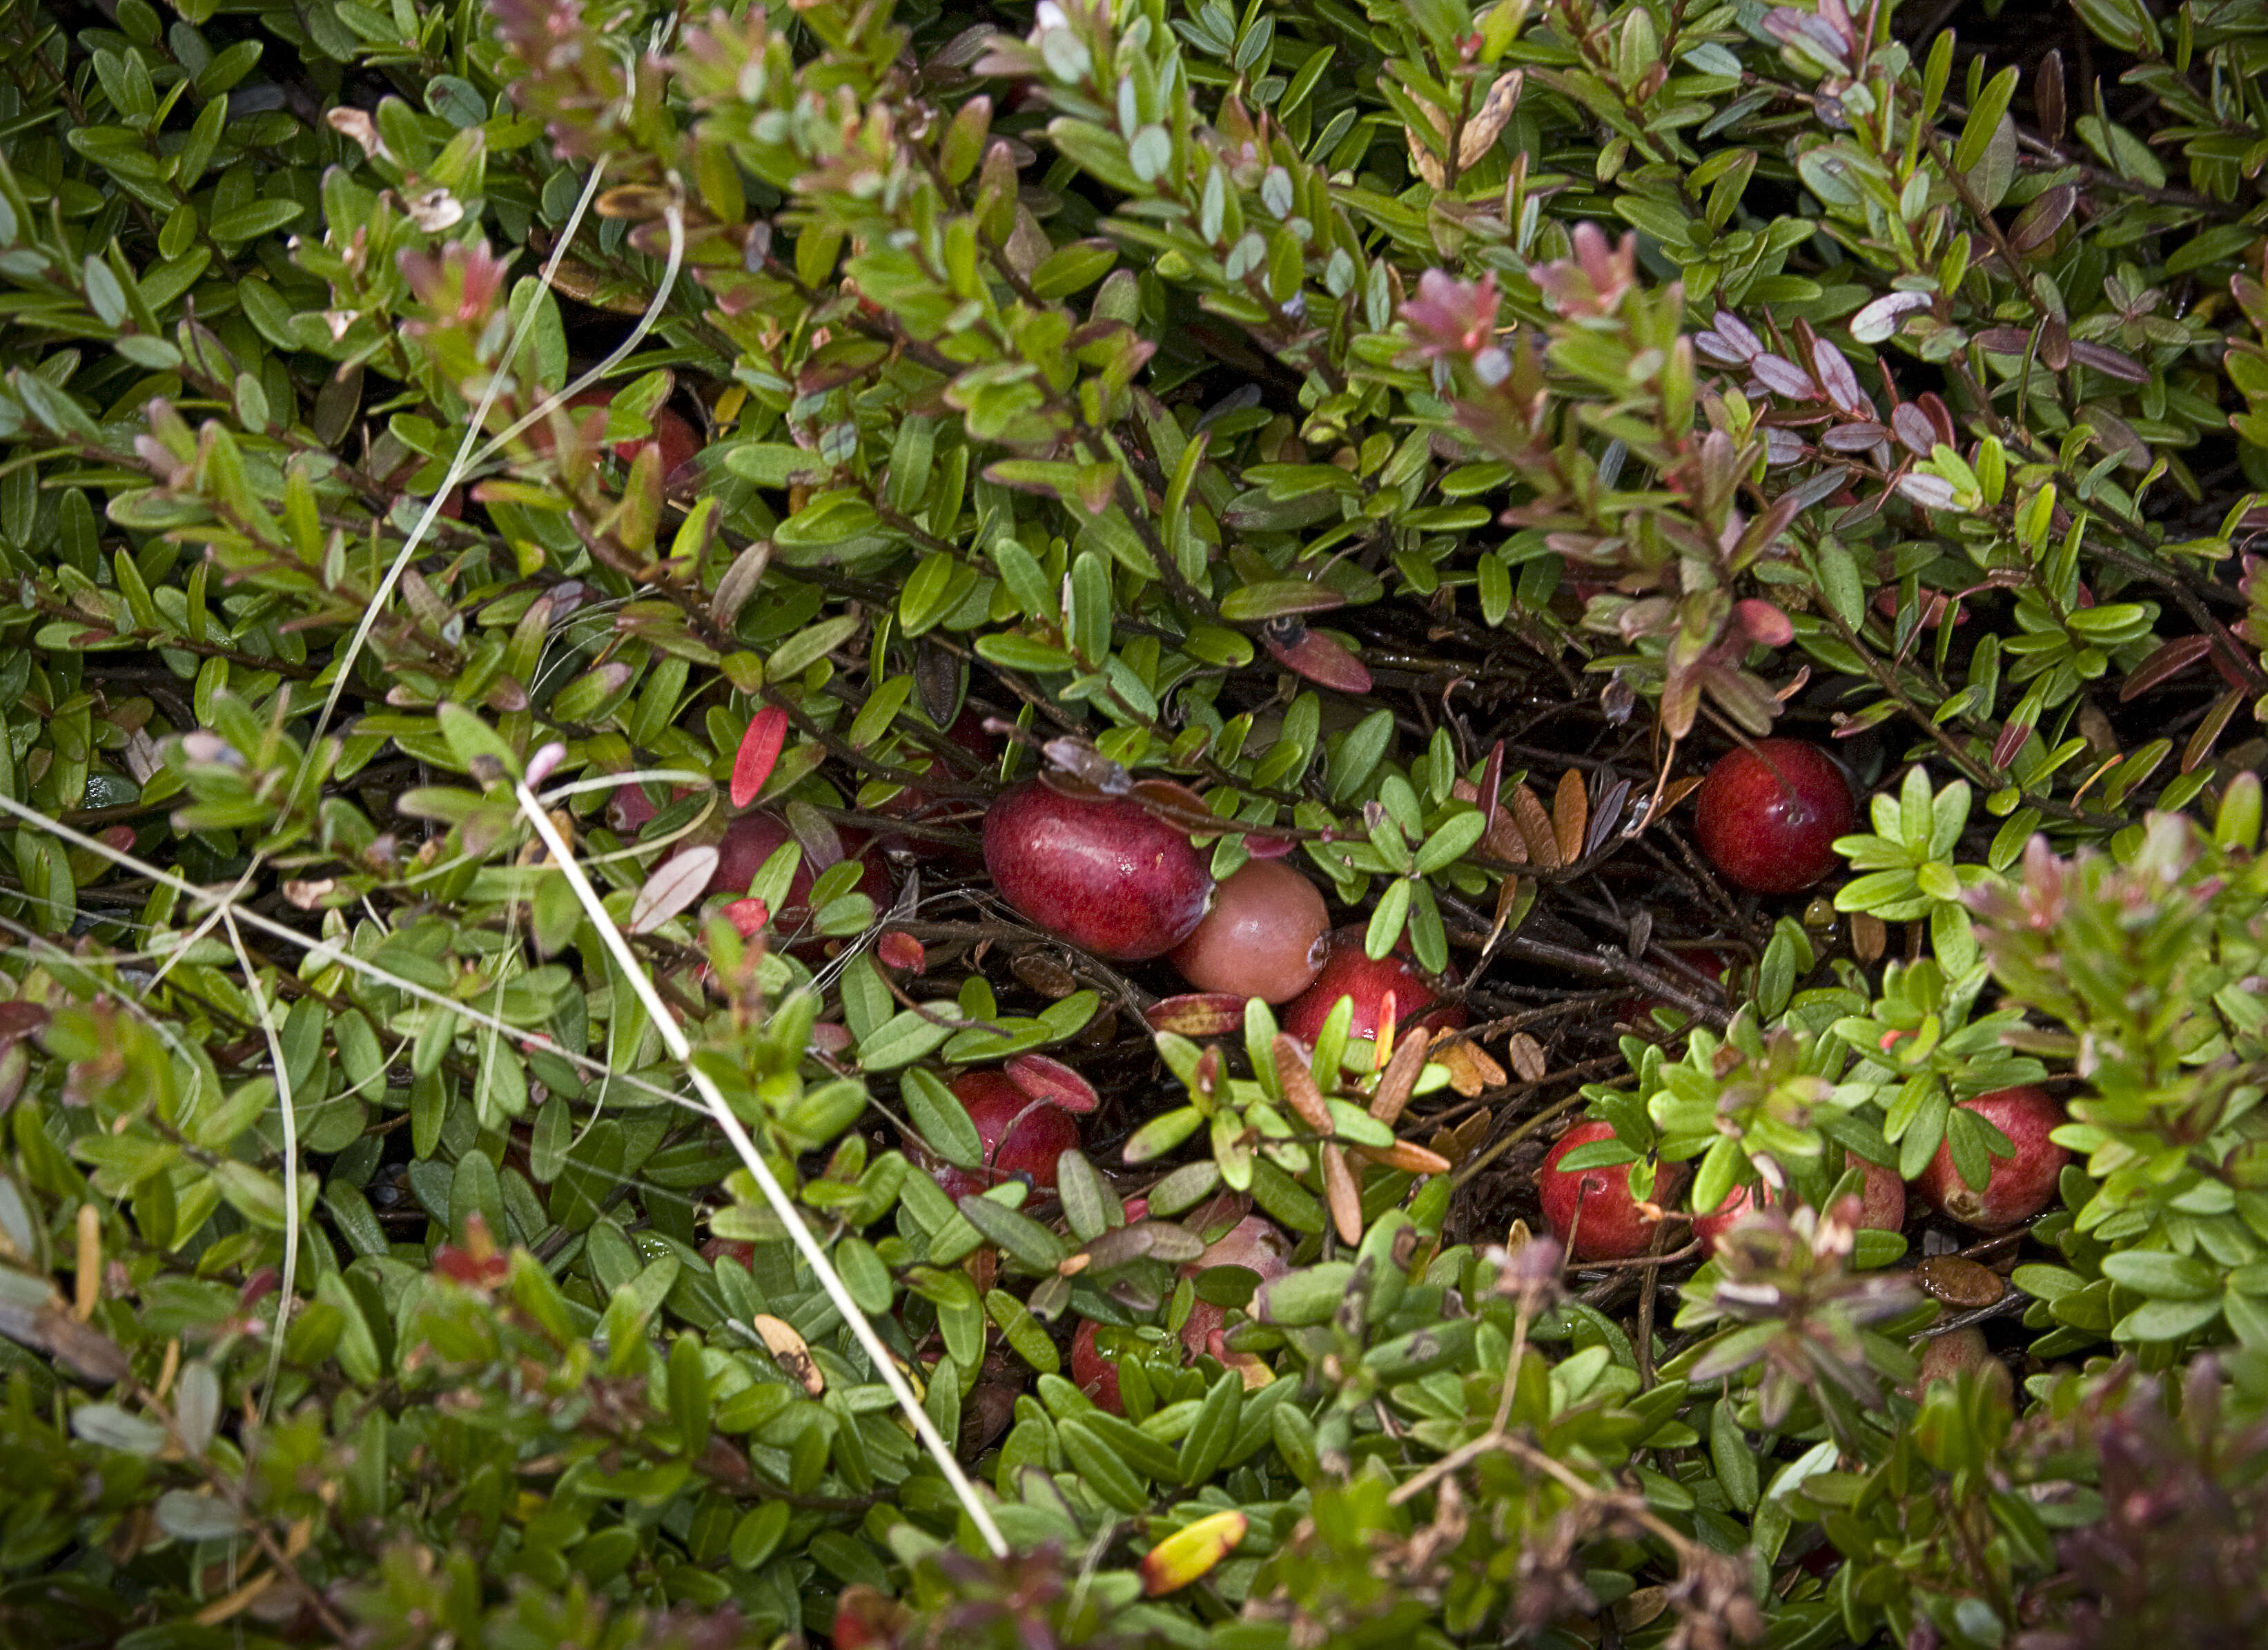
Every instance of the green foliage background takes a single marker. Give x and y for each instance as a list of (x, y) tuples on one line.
[(1362, 416)]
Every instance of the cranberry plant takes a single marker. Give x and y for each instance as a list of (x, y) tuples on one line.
[(814, 813)]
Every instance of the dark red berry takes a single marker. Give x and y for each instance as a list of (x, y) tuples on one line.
[(2018, 1187), (753, 838), (1348, 971), (1266, 935), (1104, 874), (675, 437), (1768, 815), (1611, 1225), (1252, 1243), (1881, 1206), (1960, 1352), (1021, 1135), (1092, 1373)]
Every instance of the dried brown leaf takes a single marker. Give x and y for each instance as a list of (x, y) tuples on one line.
[(1470, 1070), (1536, 828), (1527, 1057), (1868, 936), (1486, 126), (1300, 1090), (1342, 1195), (789, 1350), (1958, 1281), (1571, 816), (1409, 1157), (1399, 1080)]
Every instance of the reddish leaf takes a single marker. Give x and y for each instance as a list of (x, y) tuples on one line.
[(1833, 371), (760, 749), (1051, 1080), (2166, 662), (748, 916), (2037, 225), (2011, 741), (899, 949), (1855, 437), (20, 1019), (1196, 1014), (1912, 428), (2005, 340), (2209, 731), (2109, 361), (1783, 377), (1409, 1157), (1312, 654)]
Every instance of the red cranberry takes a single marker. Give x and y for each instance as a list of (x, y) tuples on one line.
[(1881, 1206), (1881, 1200), (1958, 1352), (1706, 961), (1348, 972), (1092, 1373), (1612, 1227), (1104, 874), (1099, 1354), (2018, 1187), (1020, 1135), (1768, 815), (718, 1248), (968, 732), (1252, 1243), (678, 442), (1264, 936), (754, 838)]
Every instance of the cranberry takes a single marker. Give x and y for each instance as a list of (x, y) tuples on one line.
[(1021, 1135), (1950, 1356), (1252, 1243), (1264, 936), (1092, 1373), (718, 1248), (2018, 1187), (678, 442), (1881, 1206), (1104, 874), (1349, 972), (968, 732), (1612, 1227), (1768, 815), (754, 838)]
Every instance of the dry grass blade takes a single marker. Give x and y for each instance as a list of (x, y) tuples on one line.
[(1571, 816), (287, 1114), (713, 1104), (674, 1038), (1300, 1089)]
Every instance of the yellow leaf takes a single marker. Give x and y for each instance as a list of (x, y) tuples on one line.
[(1188, 1555)]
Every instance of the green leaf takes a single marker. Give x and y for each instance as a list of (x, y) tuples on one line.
[(1984, 118)]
